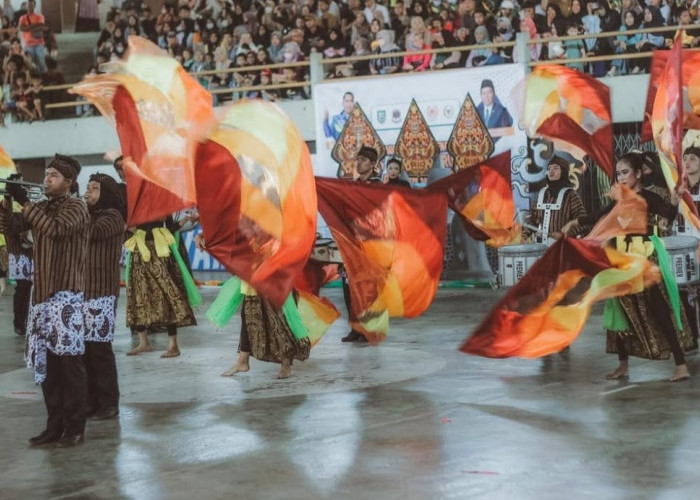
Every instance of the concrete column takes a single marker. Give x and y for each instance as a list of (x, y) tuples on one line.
[(316, 68), (522, 50)]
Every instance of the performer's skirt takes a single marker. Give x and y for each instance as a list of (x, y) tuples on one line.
[(21, 267), (55, 325), (638, 318), (99, 316), (155, 293), (266, 331)]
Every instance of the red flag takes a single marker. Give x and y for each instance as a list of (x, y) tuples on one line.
[(488, 211), (391, 241), (691, 80)]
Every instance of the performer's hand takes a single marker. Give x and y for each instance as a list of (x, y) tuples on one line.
[(558, 236), (199, 242), (676, 194), (18, 193), (569, 226)]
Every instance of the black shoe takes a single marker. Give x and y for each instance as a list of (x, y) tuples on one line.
[(20, 331), (351, 337), (354, 336), (70, 440), (106, 413), (46, 437)]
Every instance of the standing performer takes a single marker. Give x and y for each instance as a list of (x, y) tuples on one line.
[(649, 324), (20, 264), (105, 240), (155, 292), (557, 203), (366, 172), (55, 342), (691, 163)]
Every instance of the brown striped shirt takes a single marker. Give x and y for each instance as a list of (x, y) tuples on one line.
[(571, 208), (60, 229), (105, 239)]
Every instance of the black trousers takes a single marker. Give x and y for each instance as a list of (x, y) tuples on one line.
[(65, 394), (347, 297), (662, 317), (23, 290), (101, 369)]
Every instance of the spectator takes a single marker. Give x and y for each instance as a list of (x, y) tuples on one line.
[(361, 68), (417, 40), (663, 8), (372, 8), (336, 46), (574, 49), (648, 41), (461, 39), (505, 33), (384, 44), (625, 44), (265, 95), (527, 25), (54, 77), (360, 27), (399, 20), (444, 60), (275, 48), (32, 26), (576, 14), (8, 10), (485, 56)]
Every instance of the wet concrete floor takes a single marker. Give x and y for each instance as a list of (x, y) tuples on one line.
[(410, 419)]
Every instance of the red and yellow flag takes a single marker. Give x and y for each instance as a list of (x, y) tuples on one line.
[(256, 197), (161, 112), (391, 241), (482, 196), (570, 108)]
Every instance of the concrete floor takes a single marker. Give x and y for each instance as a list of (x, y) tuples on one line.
[(410, 419)]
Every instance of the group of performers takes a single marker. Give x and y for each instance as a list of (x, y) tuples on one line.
[(65, 253), (661, 321)]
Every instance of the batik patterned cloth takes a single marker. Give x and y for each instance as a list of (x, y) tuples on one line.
[(21, 267), (99, 314), (55, 325)]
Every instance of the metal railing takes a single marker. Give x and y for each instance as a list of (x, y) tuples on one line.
[(317, 62)]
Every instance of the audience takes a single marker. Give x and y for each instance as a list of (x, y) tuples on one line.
[(222, 35)]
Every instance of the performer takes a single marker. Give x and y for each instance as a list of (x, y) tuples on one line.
[(55, 342), (393, 173), (691, 163), (366, 172), (557, 203), (155, 293), (105, 240), (265, 332), (649, 324)]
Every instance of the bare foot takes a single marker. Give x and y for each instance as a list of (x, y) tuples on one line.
[(617, 374), (171, 353), (680, 373), (285, 370), (242, 365), (139, 349)]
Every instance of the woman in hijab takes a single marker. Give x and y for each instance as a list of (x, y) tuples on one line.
[(481, 57), (648, 41), (275, 48)]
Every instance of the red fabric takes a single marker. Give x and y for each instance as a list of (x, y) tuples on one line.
[(315, 275), (690, 62), (392, 243), (599, 146), (497, 336), (146, 201)]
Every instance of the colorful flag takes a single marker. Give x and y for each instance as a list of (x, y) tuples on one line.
[(482, 196), (691, 89), (667, 120), (547, 309), (256, 197), (161, 112), (391, 241), (570, 108)]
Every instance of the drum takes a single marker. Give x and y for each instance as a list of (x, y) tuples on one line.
[(321, 251), (335, 253), (684, 259), (515, 260)]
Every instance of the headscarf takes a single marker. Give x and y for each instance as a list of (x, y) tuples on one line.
[(657, 19), (508, 34), (110, 194), (656, 177), (485, 40), (563, 181)]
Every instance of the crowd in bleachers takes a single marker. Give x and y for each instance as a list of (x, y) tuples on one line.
[(217, 35), (28, 53)]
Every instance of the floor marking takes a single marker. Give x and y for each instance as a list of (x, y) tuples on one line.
[(618, 390)]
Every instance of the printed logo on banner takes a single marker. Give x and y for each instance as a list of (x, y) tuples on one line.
[(396, 116), (432, 113), (381, 116)]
